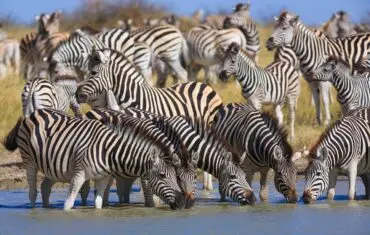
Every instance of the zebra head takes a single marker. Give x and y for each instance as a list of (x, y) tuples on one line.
[(230, 62), (98, 79), (239, 7), (162, 179), (186, 176), (285, 175), (331, 66), (233, 183), (284, 31), (317, 176)]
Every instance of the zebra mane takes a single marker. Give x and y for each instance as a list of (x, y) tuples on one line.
[(114, 120), (277, 130)]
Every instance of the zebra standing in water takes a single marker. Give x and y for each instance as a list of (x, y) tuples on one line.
[(343, 146), (204, 43), (311, 49), (40, 93), (112, 71), (90, 151), (213, 154), (274, 84), (186, 174), (353, 91), (257, 136)]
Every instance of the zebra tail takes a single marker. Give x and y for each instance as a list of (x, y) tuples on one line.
[(185, 55), (10, 141)]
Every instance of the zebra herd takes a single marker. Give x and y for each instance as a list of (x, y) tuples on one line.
[(163, 134)]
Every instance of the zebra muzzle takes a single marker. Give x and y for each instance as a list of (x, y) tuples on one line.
[(250, 197), (292, 196), (307, 197), (223, 76), (178, 202), (189, 200), (270, 44), (81, 97)]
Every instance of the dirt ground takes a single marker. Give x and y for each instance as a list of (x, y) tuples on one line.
[(13, 176)]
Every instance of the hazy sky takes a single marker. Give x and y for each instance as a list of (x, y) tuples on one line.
[(310, 11)]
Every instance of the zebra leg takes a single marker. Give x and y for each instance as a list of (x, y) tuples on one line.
[(106, 192), (46, 186), (263, 182), (77, 181), (84, 192), (148, 193), (32, 184), (180, 72), (162, 72), (365, 180), (325, 93), (101, 186), (124, 186), (279, 114), (292, 110), (352, 174), (332, 182), (207, 181), (222, 194), (316, 98)]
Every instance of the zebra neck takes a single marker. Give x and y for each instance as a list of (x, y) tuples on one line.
[(210, 160), (247, 72), (343, 84)]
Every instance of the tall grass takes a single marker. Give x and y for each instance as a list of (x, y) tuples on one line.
[(306, 132)]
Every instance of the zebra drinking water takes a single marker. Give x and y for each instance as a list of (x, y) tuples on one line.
[(73, 150)]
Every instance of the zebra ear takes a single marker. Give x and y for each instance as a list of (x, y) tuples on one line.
[(276, 18), (322, 154), (293, 22), (154, 156), (129, 21), (278, 153), (195, 158), (176, 160), (37, 18), (242, 158)]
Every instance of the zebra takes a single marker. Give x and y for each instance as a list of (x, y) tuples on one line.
[(274, 84), (126, 25), (258, 136), (310, 48), (339, 26), (10, 54), (48, 24), (41, 93), (342, 146), (186, 174), (214, 154), (169, 46), (217, 21), (112, 71), (204, 43), (79, 150), (352, 90), (166, 20)]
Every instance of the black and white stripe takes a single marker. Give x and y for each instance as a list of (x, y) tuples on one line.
[(72, 150), (258, 136), (275, 84)]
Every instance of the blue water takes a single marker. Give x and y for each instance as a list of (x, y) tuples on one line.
[(208, 217)]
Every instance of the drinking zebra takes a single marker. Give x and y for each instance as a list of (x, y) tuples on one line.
[(112, 71), (274, 84), (311, 48), (264, 143), (344, 146), (73, 150)]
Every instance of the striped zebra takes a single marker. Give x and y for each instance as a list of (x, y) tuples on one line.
[(10, 54), (126, 25), (169, 46), (341, 147), (217, 21), (311, 49), (79, 150), (186, 174), (204, 43), (274, 84), (214, 155), (40, 93), (258, 136), (353, 91), (112, 71), (338, 26), (72, 56)]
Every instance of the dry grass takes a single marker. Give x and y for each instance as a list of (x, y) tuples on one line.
[(306, 132)]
